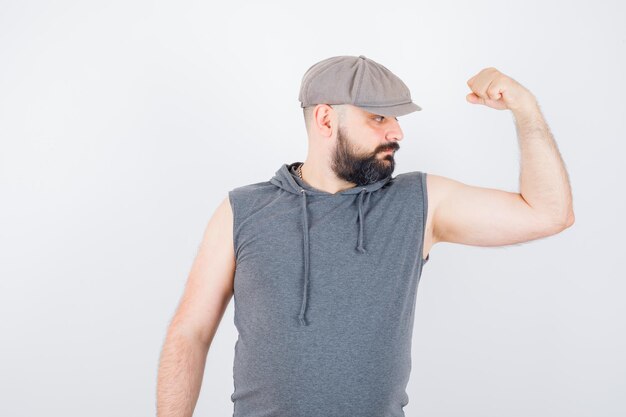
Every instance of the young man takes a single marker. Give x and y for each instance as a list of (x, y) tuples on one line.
[(324, 258)]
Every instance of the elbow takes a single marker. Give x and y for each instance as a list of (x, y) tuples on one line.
[(563, 223), (570, 219), (555, 224)]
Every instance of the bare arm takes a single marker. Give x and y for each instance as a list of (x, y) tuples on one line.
[(482, 216), (181, 370), (207, 293), (544, 182)]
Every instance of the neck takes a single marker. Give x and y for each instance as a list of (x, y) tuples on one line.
[(322, 177)]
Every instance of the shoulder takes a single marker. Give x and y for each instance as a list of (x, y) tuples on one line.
[(432, 184), (413, 179), (252, 188), (407, 178), (427, 188), (245, 199)]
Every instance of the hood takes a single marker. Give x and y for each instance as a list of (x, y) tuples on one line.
[(288, 180)]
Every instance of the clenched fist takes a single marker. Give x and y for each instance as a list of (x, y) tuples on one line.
[(498, 91)]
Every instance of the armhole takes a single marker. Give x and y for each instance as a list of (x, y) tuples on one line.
[(424, 217), (231, 199)]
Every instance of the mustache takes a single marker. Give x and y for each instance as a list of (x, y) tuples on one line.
[(393, 147)]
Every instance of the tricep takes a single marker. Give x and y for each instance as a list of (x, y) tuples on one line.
[(209, 286), (482, 216)]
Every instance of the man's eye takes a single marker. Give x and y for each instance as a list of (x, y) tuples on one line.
[(382, 117)]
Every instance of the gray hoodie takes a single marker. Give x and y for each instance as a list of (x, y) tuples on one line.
[(325, 289)]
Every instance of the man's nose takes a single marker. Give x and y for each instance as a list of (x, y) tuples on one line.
[(395, 131)]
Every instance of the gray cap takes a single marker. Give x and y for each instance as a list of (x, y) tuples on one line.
[(358, 81)]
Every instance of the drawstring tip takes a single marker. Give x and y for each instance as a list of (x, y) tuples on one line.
[(302, 321), (360, 249)]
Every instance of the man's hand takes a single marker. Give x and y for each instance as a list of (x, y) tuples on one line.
[(498, 91)]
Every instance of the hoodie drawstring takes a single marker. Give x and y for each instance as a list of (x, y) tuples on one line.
[(305, 226), (360, 247)]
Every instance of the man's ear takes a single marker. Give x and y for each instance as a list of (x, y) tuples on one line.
[(322, 116)]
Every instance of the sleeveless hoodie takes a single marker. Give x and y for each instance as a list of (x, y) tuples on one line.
[(324, 290)]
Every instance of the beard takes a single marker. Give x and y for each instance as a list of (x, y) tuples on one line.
[(361, 169)]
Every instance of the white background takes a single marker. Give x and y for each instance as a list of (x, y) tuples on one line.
[(123, 124)]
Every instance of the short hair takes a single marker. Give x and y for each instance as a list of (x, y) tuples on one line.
[(308, 113)]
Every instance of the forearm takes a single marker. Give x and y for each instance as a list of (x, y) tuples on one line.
[(544, 182), (180, 374)]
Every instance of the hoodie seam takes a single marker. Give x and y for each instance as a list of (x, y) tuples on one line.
[(235, 223), (424, 191)]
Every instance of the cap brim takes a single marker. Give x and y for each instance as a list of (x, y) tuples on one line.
[(397, 110)]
